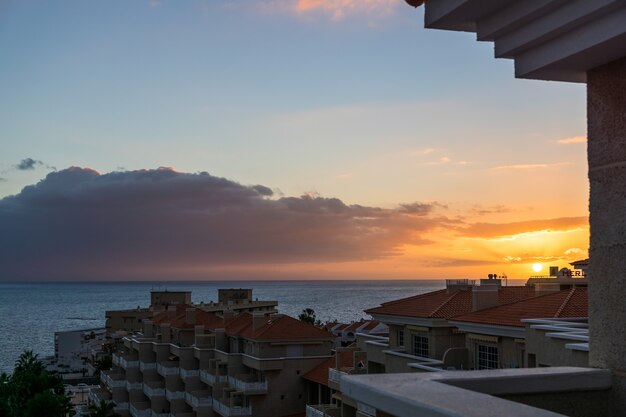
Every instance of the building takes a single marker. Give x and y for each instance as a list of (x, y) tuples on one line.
[(571, 41), (237, 299), (73, 350), (189, 362)]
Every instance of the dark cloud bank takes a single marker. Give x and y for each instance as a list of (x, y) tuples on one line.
[(78, 224)]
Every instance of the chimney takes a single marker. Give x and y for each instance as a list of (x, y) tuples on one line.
[(171, 312), (486, 294), (220, 339), (258, 320), (166, 333), (147, 328), (547, 288), (228, 315), (190, 316)]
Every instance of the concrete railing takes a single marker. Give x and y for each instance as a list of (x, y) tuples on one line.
[(227, 411), (323, 410), (174, 395), (245, 386), (140, 410), (153, 391), (121, 407), (112, 383), (189, 373), (447, 394), (143, 366), (168, 368), (198, 398), (334, 375), (209, 378)]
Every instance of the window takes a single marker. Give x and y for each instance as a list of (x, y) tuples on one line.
[(486, 357), (420, 345), (400, 337)]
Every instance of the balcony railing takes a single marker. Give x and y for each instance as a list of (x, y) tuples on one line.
[(174, 395), (211, 379), (98, 394), (323, 410), (189, 373), (153, 391), (227, 411), (334, 375), (198, 398), (245, 386), (121, 407), (140, 410), (133, 385), (168, 368), (106, 378), (143, 366), (124, 363)]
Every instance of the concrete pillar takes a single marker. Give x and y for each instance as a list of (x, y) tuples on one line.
[(606, 119)]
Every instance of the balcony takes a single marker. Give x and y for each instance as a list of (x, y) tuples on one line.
[(140, 409), (323, 410), (123, 362), (113, 380), (154, 389), (98, 394), (189, 373), (168, 368), (133, 386), (199, 399), (144, 366), (121, 407), (227, 411), (209, 378), (248, 384), (452, 392), (174, 395)]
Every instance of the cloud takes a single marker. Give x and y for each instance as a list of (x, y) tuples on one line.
[(573, 139), (497, 230), (530, 166), (80, 224), (28, 164), (575, 251), (454, 262), (423, 151), (338, 9), (481, 210)]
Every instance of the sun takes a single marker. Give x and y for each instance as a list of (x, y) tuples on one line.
[(537, 267)]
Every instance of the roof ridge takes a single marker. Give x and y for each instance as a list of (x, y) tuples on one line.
[(564, 304), (446, 301), (411, 297)]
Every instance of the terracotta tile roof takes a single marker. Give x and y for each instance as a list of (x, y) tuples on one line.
[(371, 325), (444, 304), (164, 316), (582, 262), (282, 327), (319, 374), (566, 303), (276, 327)]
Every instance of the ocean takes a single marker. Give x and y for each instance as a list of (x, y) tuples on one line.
[(31, 313)]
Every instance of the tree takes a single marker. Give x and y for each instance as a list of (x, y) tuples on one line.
[(307, 316), (104, 409), (32, 391)]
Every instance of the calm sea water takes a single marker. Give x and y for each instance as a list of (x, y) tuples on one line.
[(31, 313)]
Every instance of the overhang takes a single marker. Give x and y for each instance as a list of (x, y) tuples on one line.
[(557, 40)]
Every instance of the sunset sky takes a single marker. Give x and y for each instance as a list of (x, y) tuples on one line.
[(276, 139)]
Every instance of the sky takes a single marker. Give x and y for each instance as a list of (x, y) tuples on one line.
[(276, 139)]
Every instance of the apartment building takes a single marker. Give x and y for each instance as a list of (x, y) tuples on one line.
[(119, 322), (187, 362)]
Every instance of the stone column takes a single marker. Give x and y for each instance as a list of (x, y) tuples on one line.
[(606, 121)]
